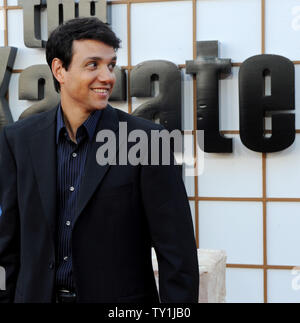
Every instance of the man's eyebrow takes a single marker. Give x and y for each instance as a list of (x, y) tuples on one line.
[(98, 58)]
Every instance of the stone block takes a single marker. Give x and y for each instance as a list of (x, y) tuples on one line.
[(212, 270)]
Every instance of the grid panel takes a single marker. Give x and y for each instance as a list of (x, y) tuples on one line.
[(263, 283), (192, 206), (283, 27), (284, 286), (166, 39), (283, 233), (189, 172), (2, 28), (248, 280), (119, 26), (234, 21), (217, 179), (229, 101), (187, 88), (282, 172), (244, 243)]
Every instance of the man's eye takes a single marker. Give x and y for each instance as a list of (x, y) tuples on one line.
[(111, 66), (92, 65)]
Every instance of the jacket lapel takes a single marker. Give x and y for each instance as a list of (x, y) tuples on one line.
[(43, 154), (94, 173)]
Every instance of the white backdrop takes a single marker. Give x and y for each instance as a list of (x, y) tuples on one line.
[(164, 30)]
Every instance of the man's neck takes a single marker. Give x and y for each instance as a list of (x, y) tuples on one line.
[(73, 119)]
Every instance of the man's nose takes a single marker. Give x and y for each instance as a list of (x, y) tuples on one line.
[(106, 75)]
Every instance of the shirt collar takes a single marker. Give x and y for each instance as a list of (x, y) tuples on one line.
[(90, 123)]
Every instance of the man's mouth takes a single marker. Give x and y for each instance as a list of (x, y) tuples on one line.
[(103, 91)]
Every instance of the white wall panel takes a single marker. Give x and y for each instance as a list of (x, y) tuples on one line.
[(119, 26), (1, 27), (229, 101), (187, 90), (238, 174), (188, 169), (192, 206), (235, 227), (162, 31), (189, 183), (283, 233), (283, 176), (235, 24), (283, 28), (283, 286), (244, 286), (25, 56), (12, 2)]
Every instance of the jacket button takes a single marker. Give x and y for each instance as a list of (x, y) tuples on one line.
[(51, 265)]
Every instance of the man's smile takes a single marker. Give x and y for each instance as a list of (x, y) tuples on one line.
[(101, 91)]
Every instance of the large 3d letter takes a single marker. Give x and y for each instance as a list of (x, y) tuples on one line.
[(58, 11), (7, 59), (166, 106), (32, 22), (209, 68), (255, 103), (36, 83), (119, 90), (97, 8)]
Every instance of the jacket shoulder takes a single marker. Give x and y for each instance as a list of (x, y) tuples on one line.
[(27, 127), (134, 122)]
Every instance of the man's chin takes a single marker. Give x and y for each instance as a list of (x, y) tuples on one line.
[(99, 107)]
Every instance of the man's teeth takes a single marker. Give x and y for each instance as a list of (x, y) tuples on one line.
[(100, 91)]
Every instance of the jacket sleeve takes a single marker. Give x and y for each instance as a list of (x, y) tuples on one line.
[(169, 218), (9, 221)]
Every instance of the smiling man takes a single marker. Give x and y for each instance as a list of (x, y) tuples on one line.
[(71, 230), (87, 83)]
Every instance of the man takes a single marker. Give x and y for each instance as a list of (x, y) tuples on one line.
[(72, 230)]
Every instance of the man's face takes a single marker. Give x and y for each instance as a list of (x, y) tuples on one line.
[(89, 80)]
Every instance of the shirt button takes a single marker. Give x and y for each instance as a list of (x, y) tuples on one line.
[(68, 223), (72, 188), (66, 258), (74, 155), (51, 265)]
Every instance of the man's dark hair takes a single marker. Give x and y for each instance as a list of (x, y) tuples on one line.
[(60, 42)]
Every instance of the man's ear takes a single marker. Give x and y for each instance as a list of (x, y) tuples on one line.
[(58, 70)]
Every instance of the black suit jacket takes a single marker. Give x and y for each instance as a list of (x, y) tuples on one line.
[(122, 211)]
